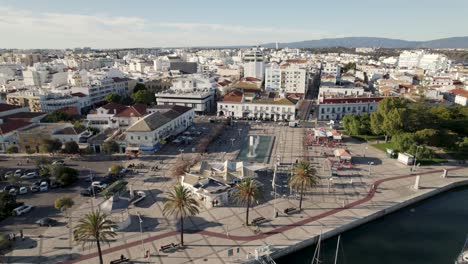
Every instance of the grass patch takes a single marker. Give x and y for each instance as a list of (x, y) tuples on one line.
[(389, 145), (436, 160), (384, 146), (364, 138)]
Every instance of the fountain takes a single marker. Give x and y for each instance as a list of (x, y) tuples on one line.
[(256, 148), (253, 143)]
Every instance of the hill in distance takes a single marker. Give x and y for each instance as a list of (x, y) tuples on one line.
[(371, 42)]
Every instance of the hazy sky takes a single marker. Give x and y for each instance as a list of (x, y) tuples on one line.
[(154, 23)]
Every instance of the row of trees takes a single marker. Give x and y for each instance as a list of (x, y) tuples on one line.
[(410, 124), (96, 228)]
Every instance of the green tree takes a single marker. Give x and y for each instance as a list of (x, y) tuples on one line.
[(394, 121), (63, 203), (71, 147), (48, 145), (246, 193), (139, 87), (304, 178), (113, 98), (127, 100), (144, 97), (95, 227), (7, 204), (428, 136), (114, 169), (110, 147), (404, 141), (66, 176), (462, 145), (12, 149), (181, 204), (77, 124), (58, 116), (376, 121)]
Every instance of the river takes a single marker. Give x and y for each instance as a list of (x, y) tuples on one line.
[(431, 231)]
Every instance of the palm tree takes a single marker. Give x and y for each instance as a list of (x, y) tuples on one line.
[(304, 177), (181, 204), (94, 227), (246, 193)]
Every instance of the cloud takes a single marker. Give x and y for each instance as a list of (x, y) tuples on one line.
[(26, 29)]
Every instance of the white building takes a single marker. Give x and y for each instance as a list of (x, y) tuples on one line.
[(149, 133), (114, 116), (427, 61), (98, 89), (246, 106), (193, 91), (254, 65), (337, 108), (288, 78)]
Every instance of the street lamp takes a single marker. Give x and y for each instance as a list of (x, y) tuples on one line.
[(370, 164), (141, 234), (232, 142), (239, 130), (181, 151), (415, 155)]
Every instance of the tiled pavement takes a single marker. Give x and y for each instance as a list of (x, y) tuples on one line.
[(213, 232)]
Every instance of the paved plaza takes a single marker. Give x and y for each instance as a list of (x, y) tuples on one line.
[(218, 235)]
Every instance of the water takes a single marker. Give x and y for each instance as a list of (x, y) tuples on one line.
[(432, 231), (263, 150)]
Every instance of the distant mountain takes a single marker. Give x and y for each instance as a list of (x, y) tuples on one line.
[(370, 42)]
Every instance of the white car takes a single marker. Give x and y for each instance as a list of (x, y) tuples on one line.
[(44, 187), (22, 209), (8, 174), (18, 173), (29, 175), (13, 191), (99, 184), (23, 190), (58, 162)]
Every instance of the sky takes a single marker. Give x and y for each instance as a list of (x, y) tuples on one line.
[(188, 23)]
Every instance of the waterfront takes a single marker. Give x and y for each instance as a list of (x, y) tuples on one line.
[(432, 231)]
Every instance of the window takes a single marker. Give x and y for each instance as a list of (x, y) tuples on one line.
[(146, 138), (138, 137), (131, 137)]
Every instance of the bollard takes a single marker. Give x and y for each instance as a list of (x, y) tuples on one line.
[(416, 183)]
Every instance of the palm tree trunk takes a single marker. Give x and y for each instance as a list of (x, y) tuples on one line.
[(181, 231), (300, 200), (247, 214), (99, 251)]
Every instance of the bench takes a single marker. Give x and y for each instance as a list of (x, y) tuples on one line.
[(166, 247), (117, 261), (290, 210), (258, 220)]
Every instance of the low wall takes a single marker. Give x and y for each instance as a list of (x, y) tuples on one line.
[(334, 232)]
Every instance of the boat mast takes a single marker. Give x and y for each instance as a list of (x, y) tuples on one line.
[(317, 251), (337, 247)]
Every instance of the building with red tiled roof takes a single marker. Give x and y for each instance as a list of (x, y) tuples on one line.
[(461, 96), (115, 115), (336, 108)]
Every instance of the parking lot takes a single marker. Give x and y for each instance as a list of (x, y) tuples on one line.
[(43, 202)]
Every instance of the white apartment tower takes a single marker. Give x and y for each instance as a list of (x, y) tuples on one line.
[(254, 65)]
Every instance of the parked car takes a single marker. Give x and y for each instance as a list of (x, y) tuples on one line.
[(46, 222), (99, 184), (22, 209), (23, 190), (30, 175), (34, 188), (9, 187), (58, 162), (54, 185), (86, 193), (13, 191), (44, 187), (18, 173), (8, 174)]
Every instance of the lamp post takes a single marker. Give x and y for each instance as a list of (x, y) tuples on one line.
[(415, 157), (181, 151), (239, 130), (370, 164), (232, 142), (141, 234)]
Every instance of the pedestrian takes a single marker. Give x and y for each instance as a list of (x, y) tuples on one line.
[(21, 234), (122, 257)]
